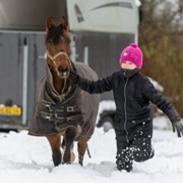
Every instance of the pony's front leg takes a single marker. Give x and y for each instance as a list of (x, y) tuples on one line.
[(54, 141), (82, 145), (70, 134)]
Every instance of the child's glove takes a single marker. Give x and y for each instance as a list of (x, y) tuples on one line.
[(74, 77), (178, 126)]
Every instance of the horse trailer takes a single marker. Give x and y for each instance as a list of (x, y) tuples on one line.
[(99, 29)]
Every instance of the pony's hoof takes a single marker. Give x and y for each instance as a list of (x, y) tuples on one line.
[(69, 158), (56, 158), (81, 161)]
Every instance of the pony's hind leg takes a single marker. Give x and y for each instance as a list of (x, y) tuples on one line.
[(54, 141), (70, 134), (82, 145)]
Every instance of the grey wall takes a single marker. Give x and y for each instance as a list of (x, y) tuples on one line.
[(29, 14)]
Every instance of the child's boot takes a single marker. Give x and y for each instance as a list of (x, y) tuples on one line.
[(124, 160)]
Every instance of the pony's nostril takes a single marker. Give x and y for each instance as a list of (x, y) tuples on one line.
[(63, 72), (63, 69), (60, 69)]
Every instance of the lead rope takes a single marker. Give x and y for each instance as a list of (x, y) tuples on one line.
[(88, 151), (64, 85)]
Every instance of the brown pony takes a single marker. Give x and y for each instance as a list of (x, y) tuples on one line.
[(62, 108)]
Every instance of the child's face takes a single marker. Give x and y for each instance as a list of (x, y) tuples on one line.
[(128, 65)]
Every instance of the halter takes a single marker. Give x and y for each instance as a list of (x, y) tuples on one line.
[(52, 58), (57, 55)]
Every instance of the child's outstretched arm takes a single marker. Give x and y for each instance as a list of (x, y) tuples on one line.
[(99, 86), (158, 99)]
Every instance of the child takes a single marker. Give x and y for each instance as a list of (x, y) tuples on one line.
[(132, 93)]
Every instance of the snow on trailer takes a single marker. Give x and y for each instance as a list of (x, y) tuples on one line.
[(99, 31)]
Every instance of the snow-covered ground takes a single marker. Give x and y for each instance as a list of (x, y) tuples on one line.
[(25, 159)]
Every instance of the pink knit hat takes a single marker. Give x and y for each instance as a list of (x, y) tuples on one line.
[(132, 53)]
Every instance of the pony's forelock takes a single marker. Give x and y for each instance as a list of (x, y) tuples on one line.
[(54, 34)]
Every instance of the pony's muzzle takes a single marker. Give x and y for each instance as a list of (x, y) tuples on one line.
[(63, 73)]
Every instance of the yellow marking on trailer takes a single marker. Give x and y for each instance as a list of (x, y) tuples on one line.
[(10, 111)]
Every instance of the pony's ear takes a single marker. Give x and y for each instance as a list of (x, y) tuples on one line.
[(49, 23), (64, 23)]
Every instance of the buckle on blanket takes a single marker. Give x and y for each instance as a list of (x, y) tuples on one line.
[(70, 109), (55, 115), (46, 115), (48, 107)]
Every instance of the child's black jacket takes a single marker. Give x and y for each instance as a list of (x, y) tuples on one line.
[(132, 93)]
